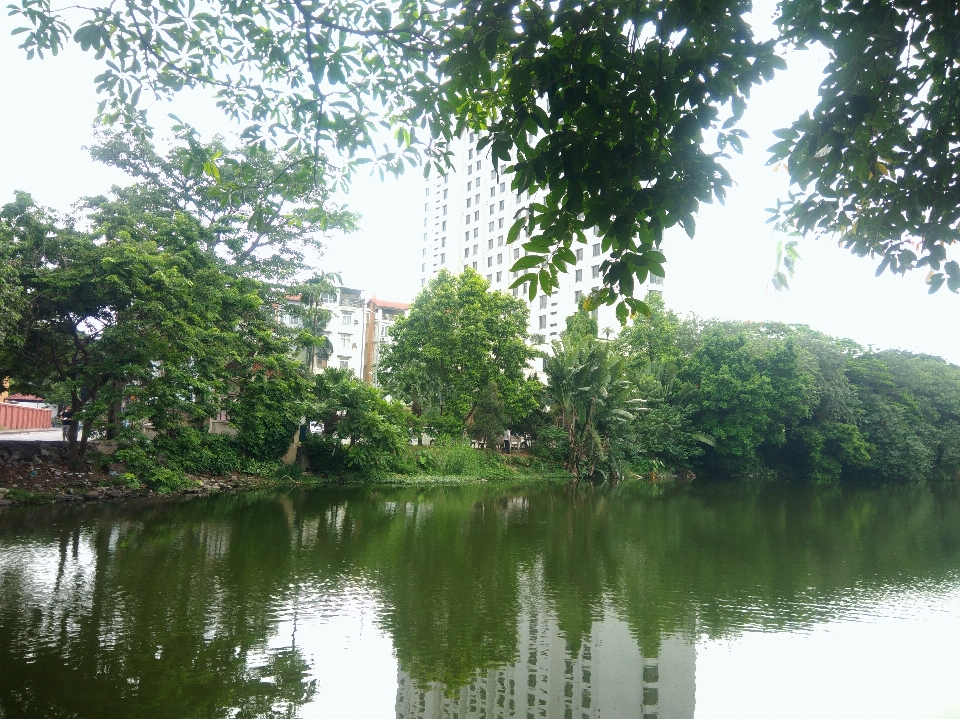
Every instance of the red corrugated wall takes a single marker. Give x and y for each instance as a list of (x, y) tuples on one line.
[(16, 416)]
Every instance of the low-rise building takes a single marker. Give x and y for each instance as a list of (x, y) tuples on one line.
[(356, 331)]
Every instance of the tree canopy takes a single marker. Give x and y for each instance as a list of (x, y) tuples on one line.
[(456, 338), (614, 115)]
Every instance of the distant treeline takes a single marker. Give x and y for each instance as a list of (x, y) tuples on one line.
[(745, 398)]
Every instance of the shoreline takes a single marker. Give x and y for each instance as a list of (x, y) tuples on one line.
[(37, 473)]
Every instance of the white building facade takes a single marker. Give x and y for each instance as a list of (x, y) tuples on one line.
[(357, 329), (466, 217)]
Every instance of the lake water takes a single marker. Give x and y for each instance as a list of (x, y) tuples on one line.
[(487, 602)]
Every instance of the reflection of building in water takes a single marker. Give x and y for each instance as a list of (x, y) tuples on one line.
[(608, 679)]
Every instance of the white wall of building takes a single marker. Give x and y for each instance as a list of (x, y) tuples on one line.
[(466, 217)]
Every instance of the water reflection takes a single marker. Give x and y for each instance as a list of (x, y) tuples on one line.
[(452, 602), (608, 677)]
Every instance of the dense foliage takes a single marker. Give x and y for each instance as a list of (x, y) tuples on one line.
[(613, 115), (361, 431), (138, 327), (456, 338), (742, 398)]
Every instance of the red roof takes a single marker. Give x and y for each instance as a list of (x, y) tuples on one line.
[(389, 304), (24, 398)]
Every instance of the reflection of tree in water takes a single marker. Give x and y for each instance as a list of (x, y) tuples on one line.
[(156, 613), (168, 610)]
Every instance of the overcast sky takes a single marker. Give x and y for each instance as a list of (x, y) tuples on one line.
[(47, 108)]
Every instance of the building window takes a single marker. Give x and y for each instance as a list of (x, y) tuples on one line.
[(424, 236), (424, 253), (428, 192), (426, 206), (478, 165), (490, 244), (516, 291), (347, 320), (501, 205), (542, 324), (443, 225), (578, 276), (468, 202), (500, 223), (595, 271), (444, 194), (345, 341), (344, 364), (470, 154), (469, 170), (493, 192), (468, 218), (500, 241), (475, 248), (655, 280), (423, 267), (469, 186), (490, 227), (476, 215), (579, 254), (543, 302), (500, 259), (499, 276), (466, 252), (493, 174), (577, 296), (476, 200), (443, 241), (474, 265), (596, 250), (516, 253), (503, 186), (444, 209), (476, 232), (443, 258), (424, 221), (466, 235), (491, 209)]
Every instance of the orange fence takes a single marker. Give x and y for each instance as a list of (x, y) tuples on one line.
[(16, 416)]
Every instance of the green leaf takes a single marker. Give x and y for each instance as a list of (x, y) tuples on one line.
[(527, 262)]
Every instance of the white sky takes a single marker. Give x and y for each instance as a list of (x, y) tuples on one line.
[(47, 107)]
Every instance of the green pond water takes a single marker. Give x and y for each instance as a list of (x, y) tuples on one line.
[(487, 602)]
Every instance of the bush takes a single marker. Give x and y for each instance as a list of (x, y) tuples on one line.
[(552, 444)]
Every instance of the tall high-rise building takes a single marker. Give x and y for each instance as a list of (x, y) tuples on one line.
[(466, 217)]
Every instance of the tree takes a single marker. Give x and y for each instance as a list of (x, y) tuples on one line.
[(488, 424), (259, 211), (362, 431), (602, 111), (595, 403), (314, 318), (136, 333), (652, 339), (601, 108), (580, 325), (875, 162), (750, 388), (456, 338)]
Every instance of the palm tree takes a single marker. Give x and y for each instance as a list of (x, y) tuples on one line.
[(594, 398)]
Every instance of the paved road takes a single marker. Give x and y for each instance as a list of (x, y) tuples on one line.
[(47, 435)]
